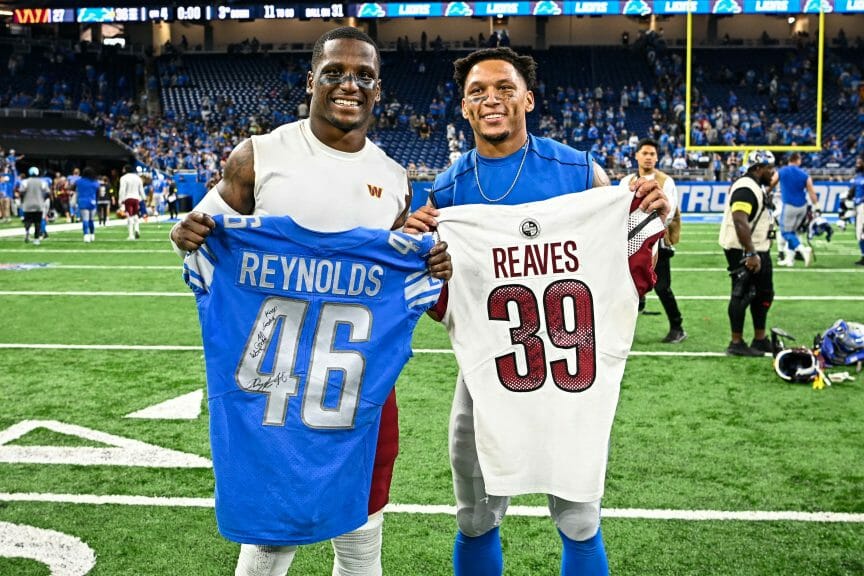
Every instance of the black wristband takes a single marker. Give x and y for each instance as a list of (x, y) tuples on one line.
[(749, 254)]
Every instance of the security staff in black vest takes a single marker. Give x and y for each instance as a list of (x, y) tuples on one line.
[(745, 235)]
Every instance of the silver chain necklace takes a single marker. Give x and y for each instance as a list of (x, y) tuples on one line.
[(512, 185)]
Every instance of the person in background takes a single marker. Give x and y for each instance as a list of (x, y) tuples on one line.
[(103, 201), (796, 191), (857, 192), (745, 235), (131, 196), (646, 158), (33, 191), (171, 198), (86, 191)]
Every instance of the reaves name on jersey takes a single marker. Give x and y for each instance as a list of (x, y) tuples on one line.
[(535, 259)]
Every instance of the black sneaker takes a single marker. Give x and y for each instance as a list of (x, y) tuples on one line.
[(674, 336), (741, 349), (763, 345), (860, 262)]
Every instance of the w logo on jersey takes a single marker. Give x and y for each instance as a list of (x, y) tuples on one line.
[(375, 191)]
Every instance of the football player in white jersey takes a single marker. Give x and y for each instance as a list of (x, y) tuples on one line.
[(325, 174), (497, 92)]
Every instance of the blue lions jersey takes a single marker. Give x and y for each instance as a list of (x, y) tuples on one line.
[(858, 185), (304, 336), (545, 170)]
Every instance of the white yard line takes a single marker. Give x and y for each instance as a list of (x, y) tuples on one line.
[(798, 270), (36, 250), (533, 511), (120, 347), (176, 268), (188, 294), (94, 293), (719, 252), (169, 348)]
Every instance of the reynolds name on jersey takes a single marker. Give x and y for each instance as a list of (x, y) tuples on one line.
[(294, 274)]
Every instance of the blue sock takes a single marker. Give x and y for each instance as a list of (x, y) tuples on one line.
[(92, 226), (861, 246), (84, 227), (480, 556), (585, 558), (791, 240)]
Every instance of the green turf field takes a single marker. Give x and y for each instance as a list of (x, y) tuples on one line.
[(716, 465)]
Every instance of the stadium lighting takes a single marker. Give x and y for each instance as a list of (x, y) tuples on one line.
[(790, 20)]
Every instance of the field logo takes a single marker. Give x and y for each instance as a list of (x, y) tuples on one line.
[(726, 7), (19, 266), (636, 8)]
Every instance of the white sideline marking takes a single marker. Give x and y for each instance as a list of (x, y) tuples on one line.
[(185, 407), (93, 293), (40, 250), (176, 268), (188, 294), (719, 252), (120, 451), (121, 347), (531, 511), (724, 270), (143, 348), (64, 555)]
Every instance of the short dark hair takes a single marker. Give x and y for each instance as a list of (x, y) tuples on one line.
[(347, 33), (647, 142), (127, 168), (525, 65), (88, 172), (794, 157)]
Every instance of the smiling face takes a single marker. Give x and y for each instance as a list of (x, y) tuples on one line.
[(344, 88), (495, 102)]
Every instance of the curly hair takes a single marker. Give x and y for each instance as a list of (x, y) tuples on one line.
[(524, 65)]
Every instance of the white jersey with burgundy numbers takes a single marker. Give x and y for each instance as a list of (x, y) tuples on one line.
[(541, 311), (324, 189)]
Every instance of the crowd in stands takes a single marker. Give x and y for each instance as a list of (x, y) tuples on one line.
[(760, 103)]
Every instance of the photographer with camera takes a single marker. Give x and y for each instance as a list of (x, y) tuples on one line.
[(745, 235)]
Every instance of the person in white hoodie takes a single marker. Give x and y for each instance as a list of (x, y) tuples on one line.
[(131, 195)]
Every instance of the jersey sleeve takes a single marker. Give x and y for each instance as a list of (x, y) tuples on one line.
[(743, 200), (643, 232), (421, 290), (198, 270)]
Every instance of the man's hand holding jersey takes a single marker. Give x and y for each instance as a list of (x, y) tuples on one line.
[(653, 198), (191, 232)]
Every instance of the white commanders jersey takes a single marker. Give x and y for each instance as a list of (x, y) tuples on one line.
[(541, 311), (324, 189)]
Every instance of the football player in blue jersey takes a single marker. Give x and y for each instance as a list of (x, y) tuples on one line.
[(511, 166), (325, 174), (857, 191)]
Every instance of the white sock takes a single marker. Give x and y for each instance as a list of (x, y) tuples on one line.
[(135, 223), (358, 553), (130, 225), (264, 560)]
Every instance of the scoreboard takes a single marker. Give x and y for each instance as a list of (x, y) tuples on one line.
[(217, 12)]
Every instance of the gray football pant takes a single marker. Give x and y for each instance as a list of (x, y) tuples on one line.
[(478, 512)]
